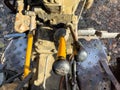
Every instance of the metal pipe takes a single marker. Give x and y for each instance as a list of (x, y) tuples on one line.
[(28, 55), (96, 34)]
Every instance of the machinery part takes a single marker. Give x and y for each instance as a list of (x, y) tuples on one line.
[(58, 6), (46, 66), (75, 38), (110, 74), (44, 45), (62, 49), (90, 74), (32, 16), (79, 51), (28, 55), (61, 66), (66, 82), (2, 78), (82, 55), (52, 80), (74, 76), (79, 16), (61, 83), (14, 55), (30, 43), (61, 11), (10, 6), (23, 82), (91, 33), (24, 22), (58, 33), (69, 82)]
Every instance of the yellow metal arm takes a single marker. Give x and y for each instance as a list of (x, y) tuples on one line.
[(62, 48), (28, 55)]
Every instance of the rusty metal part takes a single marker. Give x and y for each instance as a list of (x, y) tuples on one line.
[(66, 82), (110, 74), (61, 83)]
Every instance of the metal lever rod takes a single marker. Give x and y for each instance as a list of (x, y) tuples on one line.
[(45, 71), (110, 74), (97, 34)]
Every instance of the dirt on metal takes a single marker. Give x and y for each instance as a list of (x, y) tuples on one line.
[(104, 15)]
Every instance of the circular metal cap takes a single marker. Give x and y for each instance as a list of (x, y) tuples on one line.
[(61, 67), (82, 55)]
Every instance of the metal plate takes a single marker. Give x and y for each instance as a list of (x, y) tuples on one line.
[(91, 75), (14, 55)]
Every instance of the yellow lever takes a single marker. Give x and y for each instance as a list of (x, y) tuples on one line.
[(28, 55), (61, 66), (62, 48)]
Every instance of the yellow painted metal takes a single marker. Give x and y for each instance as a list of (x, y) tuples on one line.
[(28, 55), (62, 48)]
